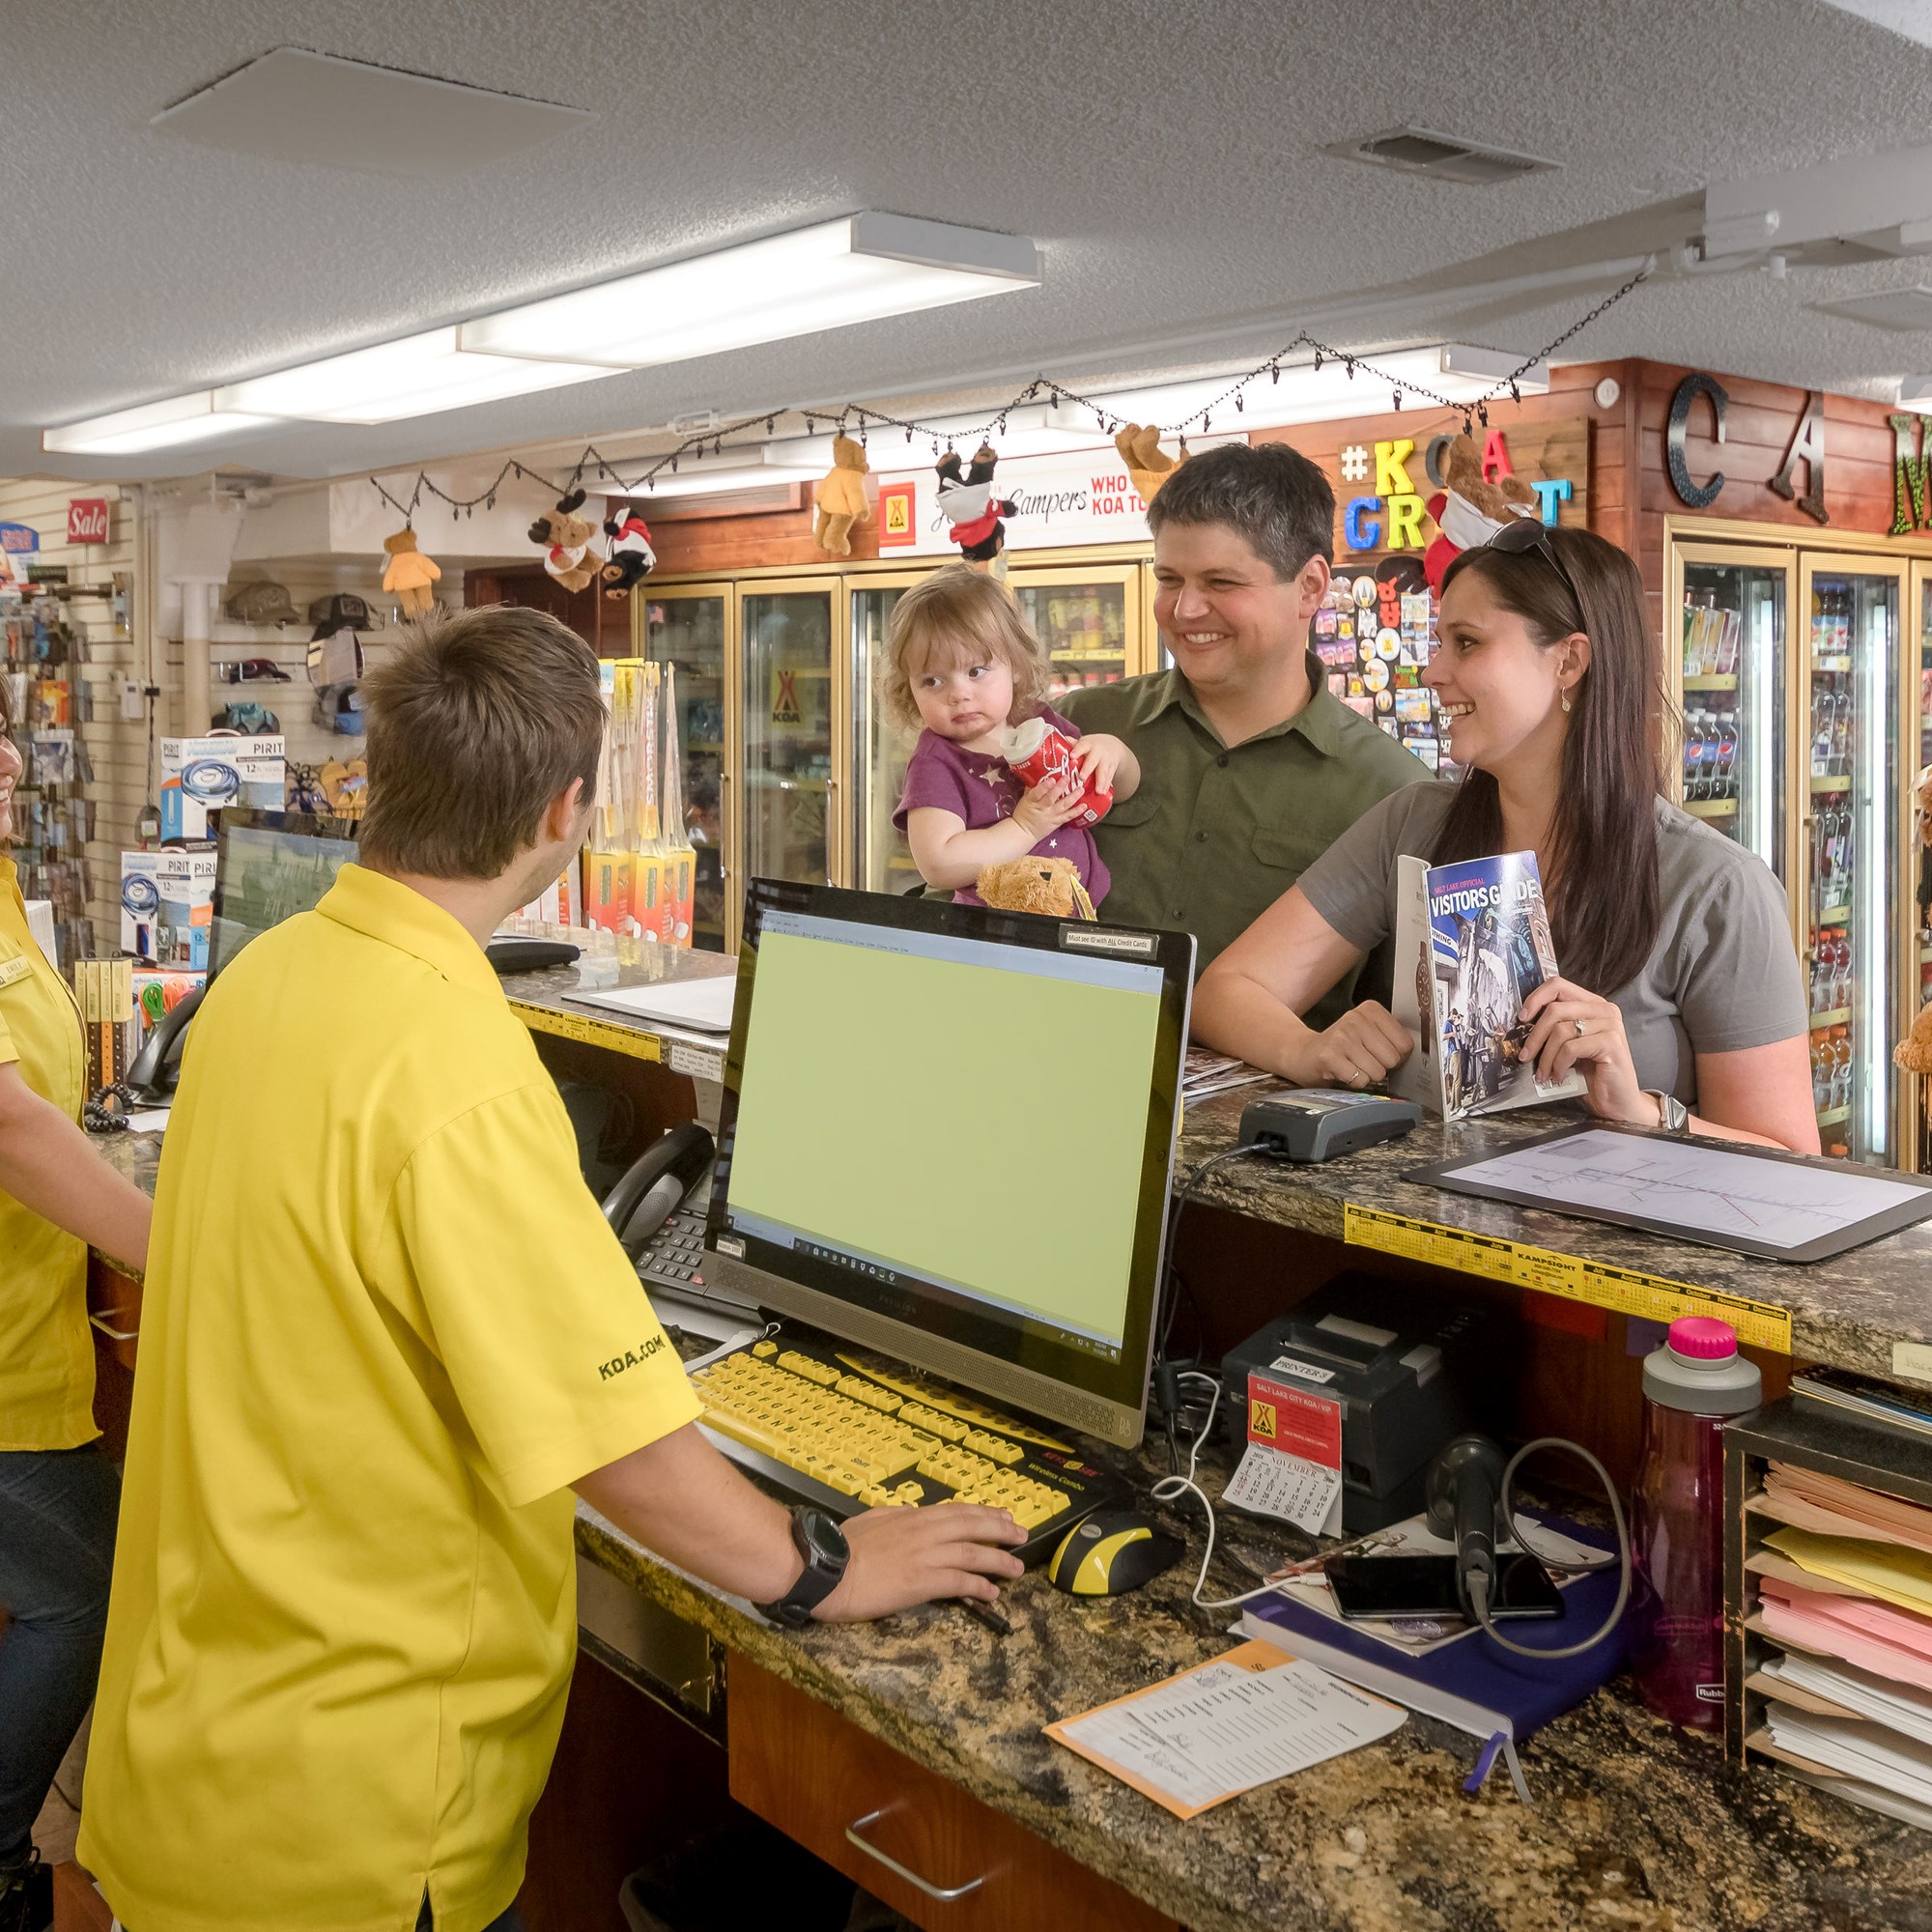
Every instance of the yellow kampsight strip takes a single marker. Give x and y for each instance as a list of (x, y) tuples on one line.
[(1622, 1291), (610, 1034)]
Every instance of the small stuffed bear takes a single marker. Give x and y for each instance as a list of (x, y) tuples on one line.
[(1472, 509), (970, 505), (410, 573), (631, 557), (570, 553), (1148, 463), (1049, 886), (839, 499)]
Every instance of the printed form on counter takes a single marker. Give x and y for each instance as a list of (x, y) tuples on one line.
[(1291, 1466)]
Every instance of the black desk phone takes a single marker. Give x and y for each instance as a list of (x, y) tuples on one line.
[(658, 1208)]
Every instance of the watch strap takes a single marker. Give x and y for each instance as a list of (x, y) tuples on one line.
[(1672, 1114), (820, 1576)]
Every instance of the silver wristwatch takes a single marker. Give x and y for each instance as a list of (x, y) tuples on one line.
[(1673, 1117)]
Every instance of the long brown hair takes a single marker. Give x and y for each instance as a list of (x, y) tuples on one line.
[(1604, 900)]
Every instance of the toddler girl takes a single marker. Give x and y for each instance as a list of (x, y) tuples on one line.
[(963, 664)]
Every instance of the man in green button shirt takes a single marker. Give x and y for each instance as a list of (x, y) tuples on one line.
[(1251, 767)]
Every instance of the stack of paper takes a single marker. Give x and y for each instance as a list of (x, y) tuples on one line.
[(1834, 1507), (1248, 1718), (1206, 1073), (1890, 1642)]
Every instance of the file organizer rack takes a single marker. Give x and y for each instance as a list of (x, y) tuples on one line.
[(1889, 1460)]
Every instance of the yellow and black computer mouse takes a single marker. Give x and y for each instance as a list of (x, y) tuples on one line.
[(1112, 1552)]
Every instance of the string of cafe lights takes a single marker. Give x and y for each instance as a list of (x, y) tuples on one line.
[(856, 420)]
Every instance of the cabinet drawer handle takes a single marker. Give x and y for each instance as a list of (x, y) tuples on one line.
[(104, 1324), (943, 1894)]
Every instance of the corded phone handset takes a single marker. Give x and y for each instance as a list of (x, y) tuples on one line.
[(658, 1208), (156, 1068)]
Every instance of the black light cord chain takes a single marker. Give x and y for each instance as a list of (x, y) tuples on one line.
[(856, 417)]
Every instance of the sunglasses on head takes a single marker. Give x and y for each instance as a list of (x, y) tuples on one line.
[(1526, 533)]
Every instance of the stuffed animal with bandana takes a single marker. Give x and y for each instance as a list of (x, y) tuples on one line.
[(1470, 509), (1148, 463), (631, 557), (570, 548), (970, 507)]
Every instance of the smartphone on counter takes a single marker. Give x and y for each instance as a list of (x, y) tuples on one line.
[(1425, 1586)]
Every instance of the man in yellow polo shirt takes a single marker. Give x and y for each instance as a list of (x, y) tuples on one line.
[(377, 1340)]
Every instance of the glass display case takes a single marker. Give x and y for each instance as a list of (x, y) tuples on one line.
[(688, 627), (789, 807), (1088, 618), (1731, 753), (881, 861), (1849, 677)]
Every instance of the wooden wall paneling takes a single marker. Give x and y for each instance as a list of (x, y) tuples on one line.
[(603, 623)]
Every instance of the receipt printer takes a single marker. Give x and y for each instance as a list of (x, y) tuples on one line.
[(1409, 1370)]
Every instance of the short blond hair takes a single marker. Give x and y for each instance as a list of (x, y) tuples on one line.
[(959, 615)]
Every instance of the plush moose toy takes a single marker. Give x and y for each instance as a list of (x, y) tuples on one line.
[(631, 557), (1148, 463), (570, 553), (970, 505), (839, 499)]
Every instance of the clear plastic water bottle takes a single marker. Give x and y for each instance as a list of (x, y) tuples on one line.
[(1677, 1520)]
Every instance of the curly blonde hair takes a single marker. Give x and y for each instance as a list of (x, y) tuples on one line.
[(959, 615)]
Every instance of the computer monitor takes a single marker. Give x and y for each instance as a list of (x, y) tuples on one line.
[(947, 1133), (269, 865)]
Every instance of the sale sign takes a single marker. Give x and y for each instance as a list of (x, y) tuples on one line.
[(87, 520)]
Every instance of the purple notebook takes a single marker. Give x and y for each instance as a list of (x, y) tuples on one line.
[(1473, 1684)]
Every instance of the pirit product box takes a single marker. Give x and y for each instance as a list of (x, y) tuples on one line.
[(202, 774), (140, 902), (186, 911)]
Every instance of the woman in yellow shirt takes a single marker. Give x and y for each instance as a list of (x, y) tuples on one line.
[(58, 1494)]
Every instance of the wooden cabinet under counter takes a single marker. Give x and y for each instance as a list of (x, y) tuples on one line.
[(933, 1853)]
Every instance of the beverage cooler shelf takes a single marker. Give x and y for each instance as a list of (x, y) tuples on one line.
[(1834, 915), (1833, 783), (1833, 1116), (1710, 684), (1712, 807), (1839, 1017)]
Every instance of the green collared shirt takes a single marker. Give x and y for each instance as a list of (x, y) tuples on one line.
[(1215, 834)]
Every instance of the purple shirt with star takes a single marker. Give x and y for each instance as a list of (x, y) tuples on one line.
[(980, 789)]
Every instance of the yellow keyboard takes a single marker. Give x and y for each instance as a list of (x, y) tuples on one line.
[(857, 1438)]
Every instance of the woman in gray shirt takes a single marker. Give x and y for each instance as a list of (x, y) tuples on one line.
[(1682, 1004)]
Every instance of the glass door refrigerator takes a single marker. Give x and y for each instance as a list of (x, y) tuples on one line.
[(689, 627), (788, 727), (1729, 682), (1087, 615), (1847, 861), (1917, 831), (881, 861)]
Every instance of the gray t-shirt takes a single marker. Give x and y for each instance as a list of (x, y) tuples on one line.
[(1721, 976)]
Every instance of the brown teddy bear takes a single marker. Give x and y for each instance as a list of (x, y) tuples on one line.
[(1148, 463), (839, 499), (410, 573), (570, 553), (1470, 509), (1049, 886)]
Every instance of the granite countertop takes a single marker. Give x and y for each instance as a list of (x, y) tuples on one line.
[(1635, 1825), (1847, 1311)]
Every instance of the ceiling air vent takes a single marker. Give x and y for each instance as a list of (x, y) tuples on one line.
[(1420, 150), (1888, 308)]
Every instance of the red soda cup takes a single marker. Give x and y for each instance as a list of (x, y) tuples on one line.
[(1034, 751)]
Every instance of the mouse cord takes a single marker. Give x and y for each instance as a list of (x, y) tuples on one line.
[(1170, 1488), (1479, 1585)]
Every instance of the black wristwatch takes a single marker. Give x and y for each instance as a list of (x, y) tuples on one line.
[(823, 1546)]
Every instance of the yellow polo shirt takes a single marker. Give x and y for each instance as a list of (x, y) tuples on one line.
[(46, 1353), (384, 1327)]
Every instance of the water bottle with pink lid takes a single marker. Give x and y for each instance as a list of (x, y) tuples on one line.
[(1690, 1385)]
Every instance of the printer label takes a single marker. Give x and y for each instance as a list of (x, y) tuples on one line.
[(1307, 1371), (1294, 1421)]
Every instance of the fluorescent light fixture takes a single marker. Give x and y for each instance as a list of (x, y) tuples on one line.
[(164, 425), (415, 376), (1915, 392), (857, 268)]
